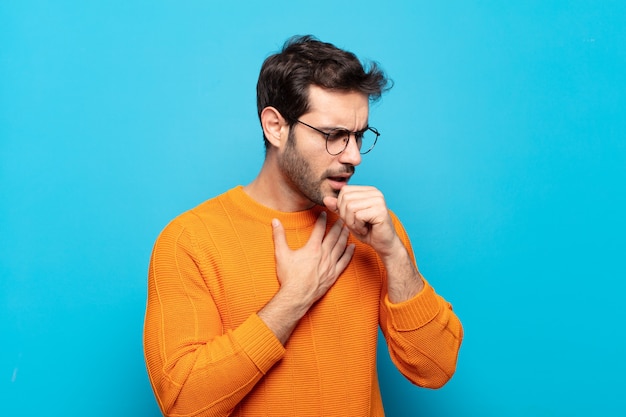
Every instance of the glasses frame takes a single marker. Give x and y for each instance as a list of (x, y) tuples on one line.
[(350, 134)]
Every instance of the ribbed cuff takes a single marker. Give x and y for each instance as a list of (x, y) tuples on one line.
[(416, 312), (259, 343)]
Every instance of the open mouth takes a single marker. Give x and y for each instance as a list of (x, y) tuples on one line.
[(339, 177), (337, 182)]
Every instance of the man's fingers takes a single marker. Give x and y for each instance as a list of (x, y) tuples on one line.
[(339, 245), (361, 207), (319, 229), (345, 259), (333, 234), (331, 203), (360, 228), (364, 219), (278, 232)]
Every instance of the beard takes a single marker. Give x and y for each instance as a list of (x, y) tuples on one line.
[(297, 171)]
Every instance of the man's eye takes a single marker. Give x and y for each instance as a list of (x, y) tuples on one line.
[(337, 135)]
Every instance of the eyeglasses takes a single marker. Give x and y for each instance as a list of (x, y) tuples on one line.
[(337, 139)]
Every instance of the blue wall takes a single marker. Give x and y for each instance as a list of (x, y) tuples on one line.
[(503, 151)]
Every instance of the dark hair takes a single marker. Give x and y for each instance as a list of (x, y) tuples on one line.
[(304, 61)]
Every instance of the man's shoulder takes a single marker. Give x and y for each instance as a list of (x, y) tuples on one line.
[(220, 219), (213, 209)]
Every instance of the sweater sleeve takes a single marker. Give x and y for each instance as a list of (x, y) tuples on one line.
[(196, 367), (423, 334)]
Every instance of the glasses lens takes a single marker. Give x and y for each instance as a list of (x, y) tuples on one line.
[(338, 140), (367, 141)]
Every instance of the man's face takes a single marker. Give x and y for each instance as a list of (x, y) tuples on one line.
[(308, 168)]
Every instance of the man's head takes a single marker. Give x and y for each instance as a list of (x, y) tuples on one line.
[(286, 77)]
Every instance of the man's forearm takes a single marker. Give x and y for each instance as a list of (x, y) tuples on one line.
[(403, 278), (281, 315)]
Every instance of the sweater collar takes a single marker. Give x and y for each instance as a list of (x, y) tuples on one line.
[(290, 220)]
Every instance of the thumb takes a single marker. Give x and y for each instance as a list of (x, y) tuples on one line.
[(331, 203), (280, 242)]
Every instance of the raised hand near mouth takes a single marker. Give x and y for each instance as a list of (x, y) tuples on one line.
[(365, 214)]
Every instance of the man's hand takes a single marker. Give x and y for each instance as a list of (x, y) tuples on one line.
[(364, 211), (305, 274)]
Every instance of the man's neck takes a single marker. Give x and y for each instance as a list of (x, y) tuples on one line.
[(270, 189)]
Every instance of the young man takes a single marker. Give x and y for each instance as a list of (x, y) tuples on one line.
[(267, 299)]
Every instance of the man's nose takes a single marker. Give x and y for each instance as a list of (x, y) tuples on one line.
[(352, 154)]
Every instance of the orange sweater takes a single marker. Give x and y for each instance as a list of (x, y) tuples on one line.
[(209, 354)]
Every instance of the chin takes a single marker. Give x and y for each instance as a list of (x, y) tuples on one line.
[(319, 197), (329, 192)]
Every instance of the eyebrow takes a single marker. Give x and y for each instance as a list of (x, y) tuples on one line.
[(329, 129)]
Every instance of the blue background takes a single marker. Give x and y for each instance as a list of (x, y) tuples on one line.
[(503, 152)]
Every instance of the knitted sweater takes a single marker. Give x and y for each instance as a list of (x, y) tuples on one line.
[(209, 354)]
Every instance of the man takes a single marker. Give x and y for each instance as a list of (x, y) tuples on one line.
[(266, 300)]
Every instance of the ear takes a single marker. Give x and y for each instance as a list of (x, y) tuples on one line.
[(275, 127)]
